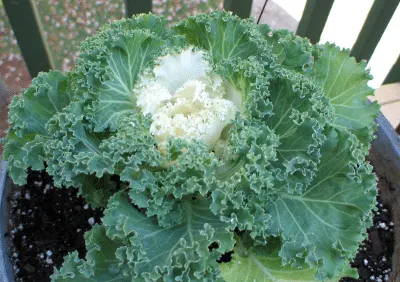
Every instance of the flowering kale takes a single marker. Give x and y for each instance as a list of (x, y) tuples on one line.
[(226, 136)]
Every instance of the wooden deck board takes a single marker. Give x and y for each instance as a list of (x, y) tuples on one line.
[(389, 97)]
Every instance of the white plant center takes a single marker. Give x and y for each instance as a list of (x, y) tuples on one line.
[(186, 101)]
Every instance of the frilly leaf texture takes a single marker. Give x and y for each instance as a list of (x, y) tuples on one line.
[(48, 95), (132, 249), (291, 51), (344, 83), (263, 264), (289, 168), (101, 263), (324, 225)]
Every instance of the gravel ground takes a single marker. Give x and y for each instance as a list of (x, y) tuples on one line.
[(66, 23)]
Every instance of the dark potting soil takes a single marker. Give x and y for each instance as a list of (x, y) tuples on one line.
[(374, 258), (47, 223)]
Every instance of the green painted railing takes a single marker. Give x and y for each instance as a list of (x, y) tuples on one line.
[(27, 27), (25, 22), (314, 18), (374, 26), (134, 7), (242, 8)]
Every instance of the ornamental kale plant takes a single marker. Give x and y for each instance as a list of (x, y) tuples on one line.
[(214, 138)]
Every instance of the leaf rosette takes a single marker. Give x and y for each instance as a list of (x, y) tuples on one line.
[(225, 136)]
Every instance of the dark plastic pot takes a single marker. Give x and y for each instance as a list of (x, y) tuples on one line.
[(6, 273), (384, 156)]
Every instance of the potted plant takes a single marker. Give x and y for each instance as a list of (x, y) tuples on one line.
[(211, 139)]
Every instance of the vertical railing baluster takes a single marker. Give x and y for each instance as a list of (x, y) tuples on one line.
[(394, 73), (242, 8), (134, 7), (374, 26), (27, 27), (314, 18)]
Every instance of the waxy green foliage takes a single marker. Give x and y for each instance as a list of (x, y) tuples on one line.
[(290, 192)]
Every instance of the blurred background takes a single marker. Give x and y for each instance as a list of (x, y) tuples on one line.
[(65, 23)]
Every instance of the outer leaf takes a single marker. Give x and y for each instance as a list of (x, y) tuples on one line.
[(326, 223), (111, 61), (129, 53), (292, 52), (74, 148), (101, 263), (187, 169), (344, 83), (85, 159), (225, 36), (178, 252), (298, 121), (250, 81), (94, 53), (96, 191), (263, 264), (23, 147)]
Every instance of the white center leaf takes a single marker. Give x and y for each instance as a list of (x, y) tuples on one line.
[(185, 101)]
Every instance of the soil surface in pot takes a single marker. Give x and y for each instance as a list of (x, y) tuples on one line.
[(47, 223), (374, 258)]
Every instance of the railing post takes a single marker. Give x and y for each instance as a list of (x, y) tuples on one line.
[(134, 7), (27, 27), (374, 26), (314, 18), (242, 8), (394, 74), (4, 95)]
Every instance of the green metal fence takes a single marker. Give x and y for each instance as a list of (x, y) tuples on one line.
[(25, 22)]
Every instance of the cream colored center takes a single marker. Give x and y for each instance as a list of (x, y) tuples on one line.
[(185, 101)]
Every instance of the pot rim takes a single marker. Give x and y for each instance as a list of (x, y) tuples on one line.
[(6, 273)]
